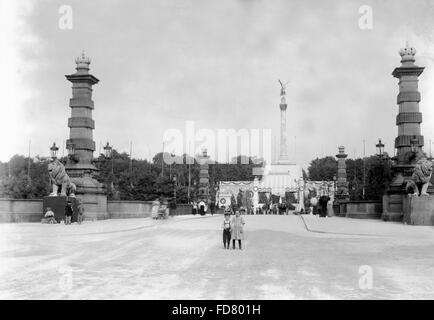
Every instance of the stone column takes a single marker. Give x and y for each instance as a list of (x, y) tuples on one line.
[(283, 156), (204, 178), (81, 123), (408, 121), (409, 118), (342, 184), (80, 167)]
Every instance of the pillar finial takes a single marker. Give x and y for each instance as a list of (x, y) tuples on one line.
[(407, 53), (82, 62)]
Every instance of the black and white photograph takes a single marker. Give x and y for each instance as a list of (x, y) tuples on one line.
[(239, 151)]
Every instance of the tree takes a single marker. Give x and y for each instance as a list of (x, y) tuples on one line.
[(378, 177), (305, 175), (16, 183), (124, 178), (372, 172), (322, 169), (233, 203)]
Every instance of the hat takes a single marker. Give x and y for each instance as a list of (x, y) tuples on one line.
[(227, 213), (242, 209)]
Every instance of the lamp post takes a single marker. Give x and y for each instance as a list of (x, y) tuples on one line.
[(174, 187), (414, 144), (71, 148), (380, 148), (334, 187), (71, 152), (108, 153), (54, 149)]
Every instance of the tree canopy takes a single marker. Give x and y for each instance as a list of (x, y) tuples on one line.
[(125, 178), (371, 173)]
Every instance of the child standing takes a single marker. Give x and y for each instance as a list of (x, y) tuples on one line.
[(49, 216), (238, 227), (227, 230), (68, 212)]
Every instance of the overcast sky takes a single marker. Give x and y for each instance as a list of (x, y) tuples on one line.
[(216, 63)]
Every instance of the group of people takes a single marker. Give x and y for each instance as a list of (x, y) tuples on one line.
[(322, 206), (275, 208), (233, 229), (202, 207), (50, 218), (160, 209)]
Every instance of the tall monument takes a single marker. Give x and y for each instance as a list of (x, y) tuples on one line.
[(342, 184), (409, 140), (282, 177), (283, 154), (204, 177), (409, 118), (80, 143), (204, 185)]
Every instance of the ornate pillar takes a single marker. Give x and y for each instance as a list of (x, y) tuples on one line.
[(81, 123), (80, 167), (342, 184), (409, 140), (283, 155), (409, 118), (204, 178)]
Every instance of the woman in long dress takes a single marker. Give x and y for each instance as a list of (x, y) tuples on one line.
[(330, 211), (237, 232)]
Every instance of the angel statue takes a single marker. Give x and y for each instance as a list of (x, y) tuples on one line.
[(283, 88)]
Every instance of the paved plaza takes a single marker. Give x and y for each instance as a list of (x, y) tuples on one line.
[(284, 257)]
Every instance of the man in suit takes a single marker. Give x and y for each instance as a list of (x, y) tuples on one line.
[(323, 200)]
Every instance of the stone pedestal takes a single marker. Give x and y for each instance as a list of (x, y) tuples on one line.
[(392, 207), (57, 205), (419, 210), (93, 195)]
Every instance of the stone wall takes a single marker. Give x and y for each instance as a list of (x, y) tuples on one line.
[(182, 209), (393, 207), (361, 209), (419, 210), (129, 209), (23, 210), (20, 210)]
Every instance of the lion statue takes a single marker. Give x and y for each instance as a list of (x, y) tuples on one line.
[(420, 178), (60, 178)]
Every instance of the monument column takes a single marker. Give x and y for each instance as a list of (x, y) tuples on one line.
[(204, 178), (80, 123), (80, 167), (409, 140), (283, 155), (409, 118), (342, 184)]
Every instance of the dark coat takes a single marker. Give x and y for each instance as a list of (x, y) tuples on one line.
[(68, 210)]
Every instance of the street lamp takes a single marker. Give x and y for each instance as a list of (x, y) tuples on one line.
[(108, 150), (414, 144), (54, 150), (71, 152), (108, 153), (71, 148), (380, 148), (174, 187), (334, 186)]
